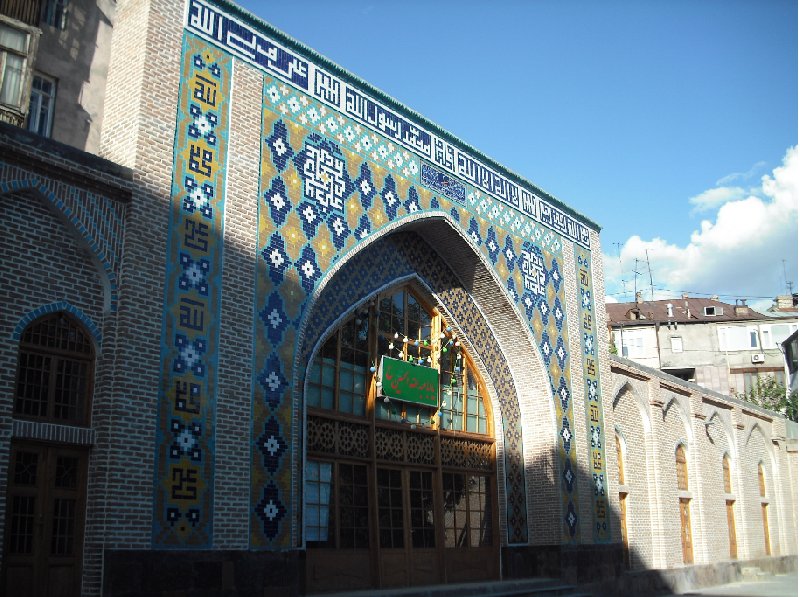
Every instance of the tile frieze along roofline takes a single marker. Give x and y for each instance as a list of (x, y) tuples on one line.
[(277, 54)]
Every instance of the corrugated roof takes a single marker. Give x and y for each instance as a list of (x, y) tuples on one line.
[(684, 310)]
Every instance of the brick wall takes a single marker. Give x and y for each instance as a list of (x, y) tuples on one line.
[(231, 503), (138, 132), (710, 426), (55, 269)]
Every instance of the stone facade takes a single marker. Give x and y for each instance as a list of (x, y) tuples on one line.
[(251, 196)]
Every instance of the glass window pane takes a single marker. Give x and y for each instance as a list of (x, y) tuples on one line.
[(312, 395), (328, 372), (317, 500), (346, 377), (345, 402), (472, 424), (13, 39), (12, 80), (327, 398), (359, 405)]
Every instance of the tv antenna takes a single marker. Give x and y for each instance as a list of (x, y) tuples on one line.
[(621, 274), (636, 275), (789, 284), (649, 271)]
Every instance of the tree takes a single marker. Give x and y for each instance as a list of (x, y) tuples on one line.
[(769, 393)]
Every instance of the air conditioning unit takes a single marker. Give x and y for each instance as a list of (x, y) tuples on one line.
[(758, 357)]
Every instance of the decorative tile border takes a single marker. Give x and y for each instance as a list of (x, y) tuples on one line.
[(319, 202), (594, 404), (263, 52), (339, 167), (184, 471)]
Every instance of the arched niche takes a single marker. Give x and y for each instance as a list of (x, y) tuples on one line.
[(467, 293)]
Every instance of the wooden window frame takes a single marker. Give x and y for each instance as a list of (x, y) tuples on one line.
[(726, 474), (370, 314), (408, 445), (681, 468), (42, 106), (55, 356)]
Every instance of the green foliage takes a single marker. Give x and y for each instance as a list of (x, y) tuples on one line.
[(770, 393)]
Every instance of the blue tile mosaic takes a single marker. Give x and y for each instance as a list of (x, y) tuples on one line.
[(184, 456)]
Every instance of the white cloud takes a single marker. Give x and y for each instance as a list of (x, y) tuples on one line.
[(715, 197), (738, 253), (741, 175)]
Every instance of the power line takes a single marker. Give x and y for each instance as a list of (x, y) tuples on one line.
[(691, 292)]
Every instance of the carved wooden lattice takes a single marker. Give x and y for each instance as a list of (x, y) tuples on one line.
[(466, 453), (338, 437), (389, 445), (345, 438), (420, 449), (353, 439)]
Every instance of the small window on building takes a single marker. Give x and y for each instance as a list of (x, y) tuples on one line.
[(43, 101), (54, 13), (681, 468), (712, 311), (54, 375), (676, 342), (620, 460), (726, 473), (13, 58), (753, 338), (762, 485), (632, 344)]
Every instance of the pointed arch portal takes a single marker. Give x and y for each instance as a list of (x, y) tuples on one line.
[(399, 489)]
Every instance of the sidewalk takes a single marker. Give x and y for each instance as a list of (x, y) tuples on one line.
[(779, 585)]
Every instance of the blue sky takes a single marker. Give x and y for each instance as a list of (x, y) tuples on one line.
[(656, 119)]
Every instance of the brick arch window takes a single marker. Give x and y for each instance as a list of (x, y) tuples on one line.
[(762, 491), (681, 468), (684, 504), (55, 371), (762, 485), (726, 473)]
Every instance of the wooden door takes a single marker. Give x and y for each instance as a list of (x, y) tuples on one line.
[(471, 546), (623, 523), (44, 520), (686, 531), (731, 529), (406, 528), (423, 556), (765, 518), (392, 543)]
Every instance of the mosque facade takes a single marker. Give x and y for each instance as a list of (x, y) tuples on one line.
[(282, 331)]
